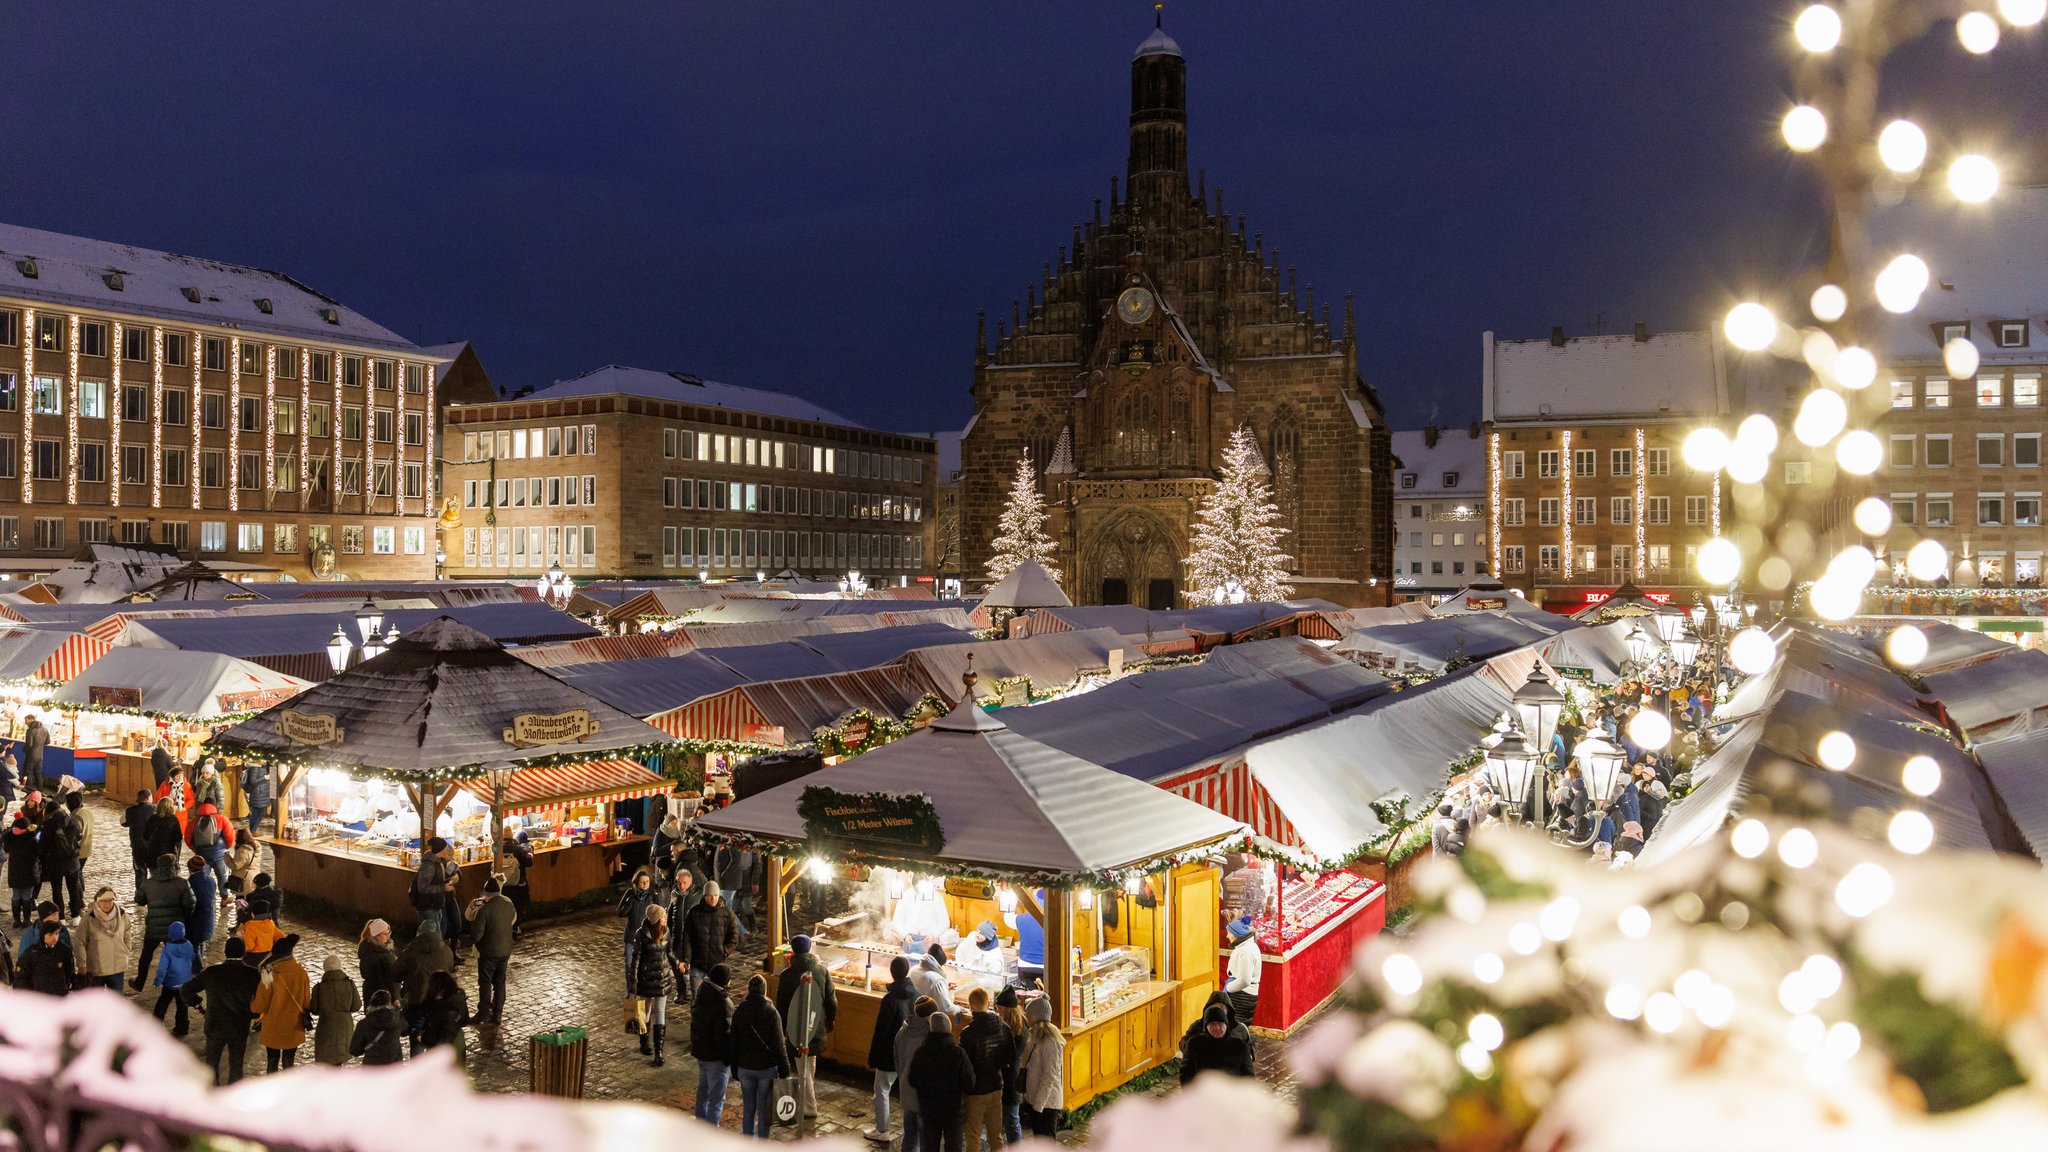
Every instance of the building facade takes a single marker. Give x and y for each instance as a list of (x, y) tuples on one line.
[(1440, 541), (229, 412), (1162, 327), (627, 472), (1587, 486)]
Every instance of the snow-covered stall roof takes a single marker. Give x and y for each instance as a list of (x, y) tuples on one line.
[(1491, 596), (306, 633), (1028, 585), (197, 684), (755, 609), (1053, 660), (1600, 649), (648, 687), (1996, 699), (1005, 802), (770, 631), (1426, 646), (46, 654), (2018, 768), (1351, 619)]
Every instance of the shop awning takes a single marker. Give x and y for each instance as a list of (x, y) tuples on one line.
[(592, 782)]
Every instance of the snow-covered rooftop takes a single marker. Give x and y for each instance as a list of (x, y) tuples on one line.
[(683, 388), (1984, 263), (1157, 44), (1668, 374), (1455, 453), (78, 272)]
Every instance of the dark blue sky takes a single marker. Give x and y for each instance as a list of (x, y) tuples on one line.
[(816, 197)]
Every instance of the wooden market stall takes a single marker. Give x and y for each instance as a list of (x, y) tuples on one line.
[(966, 823), (447, 734)]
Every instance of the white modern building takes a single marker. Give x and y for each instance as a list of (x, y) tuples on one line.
[(1439, 511)]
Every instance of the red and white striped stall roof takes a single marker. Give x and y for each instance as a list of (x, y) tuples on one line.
[(75, 655), (1234, 791), (729, 715), (592, 782)]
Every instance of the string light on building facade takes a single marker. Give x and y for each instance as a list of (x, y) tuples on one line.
[(234, 423), (398, 439), (1642, 499), (269, 424), (1492, 500), (334, 427), (1565, 516), (71, 418), (192, 410), (114, 419), (305, 427), (28, 410), (433, 474), (156, 416)]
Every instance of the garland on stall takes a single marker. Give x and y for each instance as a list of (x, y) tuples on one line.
[(831, 741), (223, 718), (852, 857), (1398, 820), (448, 774)]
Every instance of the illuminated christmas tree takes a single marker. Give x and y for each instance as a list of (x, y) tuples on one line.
[(1020, 534), (1237, 553)]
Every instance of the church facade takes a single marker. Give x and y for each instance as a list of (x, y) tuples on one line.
[(1161, 328)]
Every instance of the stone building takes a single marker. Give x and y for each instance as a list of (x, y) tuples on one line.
[(228, 412), (632, 472), (1439, 511), (1161, 327)]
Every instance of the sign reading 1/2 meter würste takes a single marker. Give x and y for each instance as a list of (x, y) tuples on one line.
[(897, 822)]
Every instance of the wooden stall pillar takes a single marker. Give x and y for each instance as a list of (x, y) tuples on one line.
[(1059, 957), (776, 888)]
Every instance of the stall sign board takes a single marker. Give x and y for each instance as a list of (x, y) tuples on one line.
[(315, 728), (900, 822), (761, 733), (856, 732), (108, 696), (255, 701), (530, 729), (1016, 693), (1486, 603), (967, 889), (1582, 675)]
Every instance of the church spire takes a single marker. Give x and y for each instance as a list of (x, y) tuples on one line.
[(1158, 166)]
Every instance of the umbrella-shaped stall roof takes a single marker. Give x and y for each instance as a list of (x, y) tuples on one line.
[(1006, 804), (1027, 586), (445, 702)]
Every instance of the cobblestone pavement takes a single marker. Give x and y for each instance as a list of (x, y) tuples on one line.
[(565, 970)]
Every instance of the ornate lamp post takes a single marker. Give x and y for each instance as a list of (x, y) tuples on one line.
[(338, 649), (1510, 765), (1539, 705), (1640, 646), (500, 779), (1686, 648), (369, 618)]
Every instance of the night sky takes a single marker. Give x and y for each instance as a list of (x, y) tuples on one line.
[(816, 198)]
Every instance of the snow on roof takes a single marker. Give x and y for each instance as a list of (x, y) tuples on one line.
[(1052, 660), (1997, 698), (1428, 645), (1984, 264), (1157, 44), (266, 634), (75, 271), (183, 683), (2019, 771), (1670, 374), (683, 388), (1455, 453), (1027, 586)]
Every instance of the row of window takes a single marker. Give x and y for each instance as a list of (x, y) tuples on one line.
[(52, 335), (46, 462), (747, 548), (752, 451), (46, 398), (524, 443), (1408, 479), (47, 534), (572, 546), (1586, 462), (1586, 510), (1989, 392), (777, 499), (1436, 567), (1992, 509), (531, 492), (1437, 539), (1621, 558), (1992, 450)]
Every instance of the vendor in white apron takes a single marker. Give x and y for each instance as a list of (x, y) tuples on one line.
[(1241, 982)]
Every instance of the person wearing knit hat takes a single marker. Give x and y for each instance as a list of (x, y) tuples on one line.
[(1245, 969), (1041, 1070), (804, 997), (336, 1000), (982, 951), (282, 1001), (710, 934), (929, 979), (892, 1015), (1216, 1048), (711, 1041), (941, 1074)]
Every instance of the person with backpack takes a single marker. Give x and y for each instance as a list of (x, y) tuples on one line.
[(22, 878), (425, 954), (57, 843), (226, 993), (655, 969), (163, 833), (993, 1052), (210, 836), (135, 818), (204, 919), (168, 900), (803, 994), (711, 1043), (760, 1055), (891, 1015), (175, 968), (107, 933), (284, 1001), (942, 1075), (517, 859), (380, 1038), (443, 1014), (335, 1004)]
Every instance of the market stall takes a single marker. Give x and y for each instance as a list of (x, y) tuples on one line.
[(967, 824), (111, 714), (448, 734)]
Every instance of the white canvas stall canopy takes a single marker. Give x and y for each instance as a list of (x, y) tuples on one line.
[(1005, 802), (1351, 619), (1028, 585), (1599, 650), (1950, 647), (46, 655), (1996, 699), (1488, 597), (1427, 646), (1048, 662), (199, 685)]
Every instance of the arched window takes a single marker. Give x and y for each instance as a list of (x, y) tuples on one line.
[(1180, 426)]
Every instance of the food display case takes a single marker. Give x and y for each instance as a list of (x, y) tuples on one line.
[(1307, 902), (1306, 936), (1111, 980)]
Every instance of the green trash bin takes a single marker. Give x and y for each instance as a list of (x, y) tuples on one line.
[(557, 1060)]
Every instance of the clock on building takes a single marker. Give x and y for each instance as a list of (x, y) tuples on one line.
[(1134, 306)]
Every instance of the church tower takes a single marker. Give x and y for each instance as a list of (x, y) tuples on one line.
[(1158, 168)]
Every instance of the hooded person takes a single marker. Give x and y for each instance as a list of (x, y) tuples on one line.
[(1217, 1047), (892, 1014), (135, 818), (942, 1076), (47, 965), (175, 967), (760, 1055), (982, 951), (106, 941), (1216, 999), (20, 844), (335, 1004), (204, 918), (380, 1038), (169, 901), (1245, 969), (283, 1001), (425, 954), (929, 979), (803, 995), (57, 844), (711, 1043)]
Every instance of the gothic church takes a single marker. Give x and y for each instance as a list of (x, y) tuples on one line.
[(1161, 328)]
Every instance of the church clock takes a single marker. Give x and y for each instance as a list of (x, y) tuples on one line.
[(1134, 306)]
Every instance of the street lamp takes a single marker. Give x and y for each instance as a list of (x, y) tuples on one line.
[(1686, 648), (1639, 644), (390, 637), (337, 649), (1668, 621), (369, 618), (1539, 704), (1603, 764), (440, 561), (500, 779), (1510, 763), (1699, 615), (373, 647)]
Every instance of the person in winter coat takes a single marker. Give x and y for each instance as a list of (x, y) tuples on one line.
[(1238, 1027), (760, 1054), (443, 1014), (890, 1017), (208, 789), (259, 792), (633, 905), (909, 1038), (20, 844), (282, 1001), (1044, 1065), (106, 941), (265, 898), (81, 816), (942, 1076), (710, 934), (517, 859), (203, 920), (376, 959), (135, 818), (711, 1043), (653, 979), (34, 739), (335, 1004), (491, 921), (258, 928), (227, 990), (169, 900), (10, 777), (244, 865), (175, 967), (992, 1049), (424, 955), (57, 856), (380, 1038), (44, 913), (432, 885), (161, 764), (163, 833), (1217, 1047), (803, 994), (929, 979), (211, 837), (178, 791), (47, 966)]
